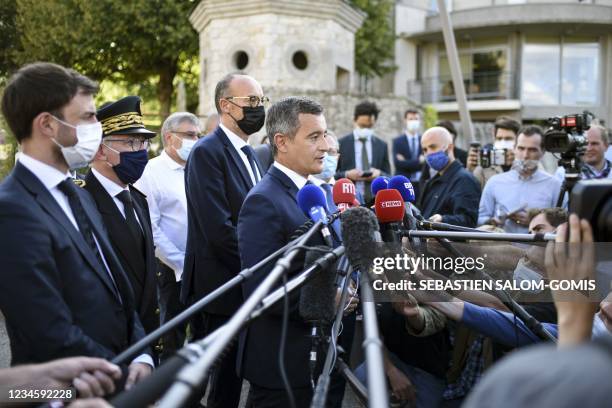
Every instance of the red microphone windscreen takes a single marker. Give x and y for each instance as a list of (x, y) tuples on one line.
[(389, 206), (343, 191)]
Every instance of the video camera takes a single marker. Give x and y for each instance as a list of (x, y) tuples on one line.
[(592, 200), (566, 134), (489, 156)]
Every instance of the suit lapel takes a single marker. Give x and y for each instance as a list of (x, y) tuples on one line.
[(285, 181), (50, 206), (235, 158), (351, 151)]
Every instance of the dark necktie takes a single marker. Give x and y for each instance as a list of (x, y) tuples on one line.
[(365, 166), (250, 154), (130, 217), (67, 187)]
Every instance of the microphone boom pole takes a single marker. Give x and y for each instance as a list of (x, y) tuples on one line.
[(190, 377)]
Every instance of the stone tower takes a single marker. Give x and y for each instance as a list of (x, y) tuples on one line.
[(289, 46)]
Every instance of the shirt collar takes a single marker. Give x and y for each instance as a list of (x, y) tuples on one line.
[(297, 179), (170, 162), (236, 140), (596, 172), (48, 175), (368, 138), (109, 185), (318, 182)]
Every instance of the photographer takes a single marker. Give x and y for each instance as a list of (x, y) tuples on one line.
[(508, 196), (506, 131)]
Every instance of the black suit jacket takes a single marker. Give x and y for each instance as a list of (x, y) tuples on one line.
[(269, 216), (409, 166), (140, 268), (57, 299), (379, 159), (216, 184)]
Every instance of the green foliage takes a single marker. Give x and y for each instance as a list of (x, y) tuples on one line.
[(8, 37), (430, 116), (125, 41), (374, 41)]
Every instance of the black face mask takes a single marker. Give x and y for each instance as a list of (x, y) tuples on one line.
[(252, 120)]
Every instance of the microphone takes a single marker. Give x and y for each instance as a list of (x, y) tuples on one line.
[(344, 194), (405, 188), (317, 303), (390, 212), (311, 200), (379, 183), (360, 233)]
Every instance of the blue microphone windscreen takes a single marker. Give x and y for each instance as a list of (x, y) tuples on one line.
[(379, 183), (311, 196), (404, 186)]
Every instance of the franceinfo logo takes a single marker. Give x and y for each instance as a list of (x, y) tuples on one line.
[(391, 204)]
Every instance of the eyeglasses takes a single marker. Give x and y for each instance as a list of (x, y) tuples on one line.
[(134, 144), (189, 135), (253, 100)]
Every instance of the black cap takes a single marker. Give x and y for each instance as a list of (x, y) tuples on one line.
[(123, 117)]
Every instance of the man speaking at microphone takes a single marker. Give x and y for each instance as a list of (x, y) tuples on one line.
[(269, 216)]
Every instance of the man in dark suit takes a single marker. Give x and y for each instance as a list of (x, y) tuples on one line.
[(62, 289), (269, 216), (220, 171), (407, 154), (119, 162), (363, 156)]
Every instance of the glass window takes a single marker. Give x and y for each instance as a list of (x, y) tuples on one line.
[(540, 74), (560, 72), (580, 74)]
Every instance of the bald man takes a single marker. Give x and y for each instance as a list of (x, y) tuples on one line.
[(221, 170), (453, 194)]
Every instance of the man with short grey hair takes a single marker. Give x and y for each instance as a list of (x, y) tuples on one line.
[(163, 182)]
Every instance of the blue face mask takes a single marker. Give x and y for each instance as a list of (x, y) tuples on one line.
[(131, 165), (437, 160), (329, 167)]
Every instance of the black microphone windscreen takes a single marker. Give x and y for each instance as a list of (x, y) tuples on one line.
[(317, 296), (359, 229)]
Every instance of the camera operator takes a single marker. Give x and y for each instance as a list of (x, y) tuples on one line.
[(508, 196), (595, 165), (576, 374), (506, 131)]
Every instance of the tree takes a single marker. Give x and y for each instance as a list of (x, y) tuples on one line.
[(8, 37), (120, 40), (374, 41)]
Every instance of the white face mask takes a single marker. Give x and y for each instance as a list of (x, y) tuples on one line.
[(524, 273), (89, 137), (413, 126), (504, 144), (599, 328), (185, 149)]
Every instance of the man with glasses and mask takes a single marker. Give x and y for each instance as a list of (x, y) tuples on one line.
[(118, 163), (63, 290), (222, 168), (163, 182)]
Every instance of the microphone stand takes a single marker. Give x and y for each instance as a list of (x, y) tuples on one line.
[(377, 386), (191, 376), (480, 235), (135, 349)]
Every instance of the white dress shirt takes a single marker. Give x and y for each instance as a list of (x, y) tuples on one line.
[(50, 177), (238, 144), (298, 180), (163, 182), (413, 144), (360, 185)]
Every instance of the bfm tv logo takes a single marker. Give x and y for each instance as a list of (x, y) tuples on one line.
[(348, 188), (409, 187), (391, 204)]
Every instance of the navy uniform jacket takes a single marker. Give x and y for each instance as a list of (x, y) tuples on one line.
[(140, 268), (216, 184), (269, 216), (57, 299), (455, 195), (379, 159)]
